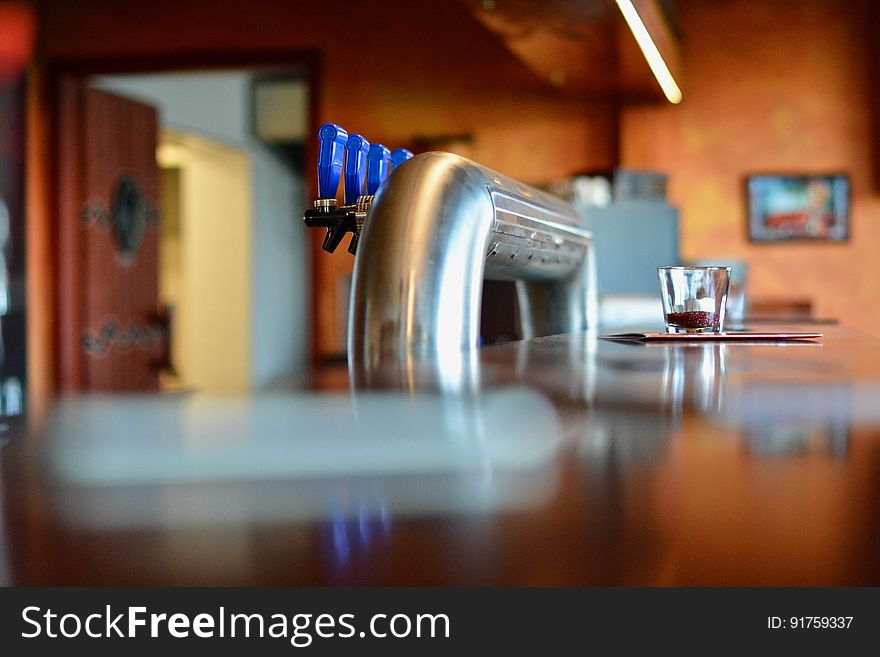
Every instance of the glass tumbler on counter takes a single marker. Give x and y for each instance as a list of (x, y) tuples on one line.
[(694, 298)]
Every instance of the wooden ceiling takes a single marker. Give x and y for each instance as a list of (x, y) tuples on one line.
[(583, 47)]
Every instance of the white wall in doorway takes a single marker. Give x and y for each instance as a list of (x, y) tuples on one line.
[(205, 268)]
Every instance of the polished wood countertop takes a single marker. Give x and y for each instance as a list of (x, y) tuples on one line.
[(567, 460)]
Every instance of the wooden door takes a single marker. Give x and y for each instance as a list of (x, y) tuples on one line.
[(110, 336)]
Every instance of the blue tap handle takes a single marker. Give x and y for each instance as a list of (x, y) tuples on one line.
[(332, 139), (399, 156), (356, 149), (378, 163)]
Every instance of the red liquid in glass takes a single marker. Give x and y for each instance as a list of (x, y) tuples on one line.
[(692, 319)]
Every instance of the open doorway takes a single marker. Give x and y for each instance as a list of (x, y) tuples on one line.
[(231, 271)]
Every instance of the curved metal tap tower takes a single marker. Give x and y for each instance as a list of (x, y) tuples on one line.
[(437, 226)]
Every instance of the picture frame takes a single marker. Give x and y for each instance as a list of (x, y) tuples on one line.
[(798, 207)]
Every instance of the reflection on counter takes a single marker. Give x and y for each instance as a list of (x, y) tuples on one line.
[(695, 375), (347, 536), (666, 382), (785, 419), (610, 405), (562, 460), (623, 401), (125, 461), (798, 440), (616, 438)]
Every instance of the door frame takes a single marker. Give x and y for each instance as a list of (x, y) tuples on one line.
[(64, 77)]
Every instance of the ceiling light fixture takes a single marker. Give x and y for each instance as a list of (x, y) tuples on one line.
[(649, 50)]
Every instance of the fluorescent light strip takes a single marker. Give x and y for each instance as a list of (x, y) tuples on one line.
[(649, 50)]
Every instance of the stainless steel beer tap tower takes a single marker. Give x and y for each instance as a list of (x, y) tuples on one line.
[(433, 229)]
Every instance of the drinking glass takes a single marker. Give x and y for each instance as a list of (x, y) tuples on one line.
[(694, 298)]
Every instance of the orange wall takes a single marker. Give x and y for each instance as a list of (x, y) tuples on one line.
[(419, 68), (771, 86), (416, 69)]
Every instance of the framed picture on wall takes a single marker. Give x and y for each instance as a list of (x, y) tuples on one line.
[(798, 208)]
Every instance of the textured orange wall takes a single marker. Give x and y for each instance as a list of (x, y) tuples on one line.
[(771, 86)]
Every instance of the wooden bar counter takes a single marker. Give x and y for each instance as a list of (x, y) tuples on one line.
[(567, 460)]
